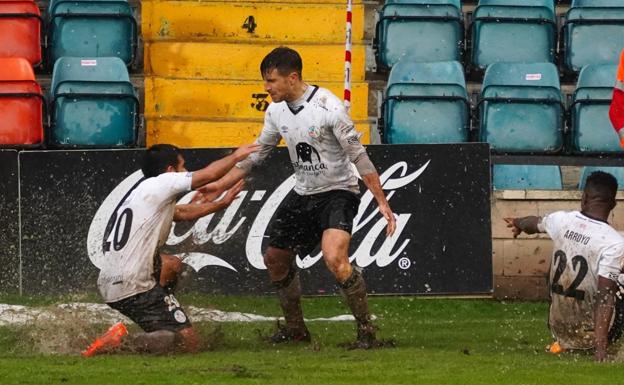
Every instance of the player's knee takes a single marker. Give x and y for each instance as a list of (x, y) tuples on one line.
[(189, 340), (340, 269), (277, 266)]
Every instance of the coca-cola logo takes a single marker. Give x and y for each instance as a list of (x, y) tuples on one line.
[(230, 223)]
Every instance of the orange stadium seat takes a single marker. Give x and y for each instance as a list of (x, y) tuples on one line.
[(21, 104), (20, 30)]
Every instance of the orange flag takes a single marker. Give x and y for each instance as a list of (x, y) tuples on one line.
[(616, 112)]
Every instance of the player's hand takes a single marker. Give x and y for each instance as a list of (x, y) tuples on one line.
[(387, 213), (244, 151), (600, 355), (514, 229), (233, 192), (210, 192), (198, 198)]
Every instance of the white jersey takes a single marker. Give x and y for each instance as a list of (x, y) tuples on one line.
[(141, 225), (322, 142), (584, 248)]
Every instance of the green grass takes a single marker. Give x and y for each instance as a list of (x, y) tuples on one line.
[(439, 341)]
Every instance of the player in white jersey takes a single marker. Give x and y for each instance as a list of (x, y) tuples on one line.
[(588, 257), (322, 143), (130, 279)]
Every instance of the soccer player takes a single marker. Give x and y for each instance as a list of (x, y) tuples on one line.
[(130, 281), (322, 143), (587, 260)]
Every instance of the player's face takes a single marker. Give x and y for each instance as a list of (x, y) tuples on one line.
[(181, 167), (278, 86)]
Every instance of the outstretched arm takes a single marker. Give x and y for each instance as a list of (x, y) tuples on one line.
[(217, 169), (195, 210), (527, 225), (603, 312)]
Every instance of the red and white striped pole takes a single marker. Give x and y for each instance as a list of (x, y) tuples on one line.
[(347, 81)]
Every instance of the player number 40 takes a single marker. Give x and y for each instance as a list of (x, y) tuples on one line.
[(122, 227)]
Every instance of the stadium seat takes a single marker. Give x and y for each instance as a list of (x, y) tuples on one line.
[(587, 23), (591, 128), (93, 103), (520, 108), (513, 31), (421, 30), (20, 30), (426, 103), (617, 172), (521, 177), (21, 104), (92, 28)]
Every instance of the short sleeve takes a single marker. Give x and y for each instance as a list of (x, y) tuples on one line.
[(171, 184), (611, 260), (551, 223)]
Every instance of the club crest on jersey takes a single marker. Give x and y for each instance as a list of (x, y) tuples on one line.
[(314, 132)]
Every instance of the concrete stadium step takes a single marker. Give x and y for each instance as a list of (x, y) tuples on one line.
[(242, 61), (215, 133), (202, 99), (249, 21)]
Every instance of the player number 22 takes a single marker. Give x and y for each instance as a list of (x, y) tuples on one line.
[(579, 264)]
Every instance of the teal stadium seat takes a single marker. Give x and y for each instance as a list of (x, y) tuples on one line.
[(513, 31), (93, 103), (421, 30), (521, 177), (591, 128), (593, 33), (426, 103), (617, 172), (92, 28), (520, 108)]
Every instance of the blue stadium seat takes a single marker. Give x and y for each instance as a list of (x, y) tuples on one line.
[(93, 104), (593, 33), (421, 30), (617, 172), (92, 28), (513, 31), (520, 108), (521, 177), (591, 128), (426, 103)]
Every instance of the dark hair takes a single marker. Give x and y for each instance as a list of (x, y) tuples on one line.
[(601, 184), (285, 60), (158, 157)]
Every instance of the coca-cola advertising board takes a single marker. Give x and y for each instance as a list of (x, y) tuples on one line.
[(439, 194)]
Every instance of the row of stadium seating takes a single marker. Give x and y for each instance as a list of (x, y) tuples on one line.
[(533, 177), (75, 28), (91, 102), (500, 30), (520, 108)]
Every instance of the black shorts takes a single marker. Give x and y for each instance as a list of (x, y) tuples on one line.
[(301, 219), (153, 310)]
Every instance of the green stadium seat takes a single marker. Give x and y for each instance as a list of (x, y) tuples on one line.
[(526, 177), (93, 103), (513, 31), (426, 103), (617, 172), (520, 108), (591, 128), (92, 28), (593, 33), (419, 30)]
